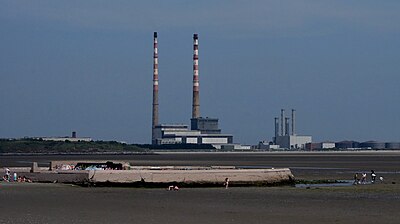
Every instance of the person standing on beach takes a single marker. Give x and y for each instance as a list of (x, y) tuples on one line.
[(356, 180), (226, 183), (364, 178), (373, 176), (8, 174)]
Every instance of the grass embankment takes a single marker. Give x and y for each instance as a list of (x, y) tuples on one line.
[(54, 147)]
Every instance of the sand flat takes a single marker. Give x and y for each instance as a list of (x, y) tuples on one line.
[(374, 203)]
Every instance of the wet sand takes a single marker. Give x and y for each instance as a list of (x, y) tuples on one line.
[(55, 203), (377, 203)]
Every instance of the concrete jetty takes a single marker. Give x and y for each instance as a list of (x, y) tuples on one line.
[(97, 173)]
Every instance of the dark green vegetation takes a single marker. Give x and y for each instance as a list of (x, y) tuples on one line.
[(40, 146)]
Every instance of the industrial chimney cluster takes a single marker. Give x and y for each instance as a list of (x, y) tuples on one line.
[(284, 124), (203, 130), (286, 138)]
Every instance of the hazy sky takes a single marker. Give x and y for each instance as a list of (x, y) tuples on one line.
[(86, 66)]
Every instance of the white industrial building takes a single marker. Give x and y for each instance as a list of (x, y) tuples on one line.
[(63, 139), (265, 145), (293, 141), (180, 134), (73, 138), (327, 145)]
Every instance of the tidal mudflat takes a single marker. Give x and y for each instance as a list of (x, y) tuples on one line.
[(56, 203), (371, 203)]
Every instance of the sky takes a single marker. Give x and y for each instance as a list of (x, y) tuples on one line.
[(86, 66)]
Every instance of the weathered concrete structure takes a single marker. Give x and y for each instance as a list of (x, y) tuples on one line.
[(158, 176)]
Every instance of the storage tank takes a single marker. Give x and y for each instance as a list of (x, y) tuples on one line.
[(392, 145), (347, 144), (373, 145)]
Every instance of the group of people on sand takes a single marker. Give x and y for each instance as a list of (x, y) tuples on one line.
[(362, 178), (14, 178)]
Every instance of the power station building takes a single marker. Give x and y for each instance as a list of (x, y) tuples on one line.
[(289, 140), (203, 130), (180, 134)]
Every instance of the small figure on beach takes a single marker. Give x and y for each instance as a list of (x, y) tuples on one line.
[(173, 187), (226, 183), (381, 178), (7, 175), (25, 179), (364, 178), (356, 179), (15, 177), (373, 176)]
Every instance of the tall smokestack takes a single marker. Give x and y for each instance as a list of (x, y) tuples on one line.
[(196, 100), (286, 126), (282, 121), (155, 87), (293, 122), (276, 128)]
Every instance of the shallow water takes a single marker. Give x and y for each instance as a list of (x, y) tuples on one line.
[(341, 183)]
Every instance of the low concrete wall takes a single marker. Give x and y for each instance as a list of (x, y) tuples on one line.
[(58, 176), (165, 176), (213, 176)]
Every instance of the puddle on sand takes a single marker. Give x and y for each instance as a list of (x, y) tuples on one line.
[(341, 183)]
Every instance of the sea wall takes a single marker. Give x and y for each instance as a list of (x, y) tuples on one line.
[(211, 176), (160, 177)]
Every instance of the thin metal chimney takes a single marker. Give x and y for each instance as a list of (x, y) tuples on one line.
[(286, 126), (196, 97), (293, 122), (282, 121), (155, 88), (276, 128)]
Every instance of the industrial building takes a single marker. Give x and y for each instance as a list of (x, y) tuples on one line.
[(320, 145), (354, 145), (372, 145), (347, 145), (180, 134), (284, 138), (203, 130), (72, 138)]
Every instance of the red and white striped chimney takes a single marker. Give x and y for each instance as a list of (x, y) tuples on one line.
[(196, 97), (155, 87)]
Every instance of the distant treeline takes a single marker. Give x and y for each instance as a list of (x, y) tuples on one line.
[(41, 146), (33, 145)]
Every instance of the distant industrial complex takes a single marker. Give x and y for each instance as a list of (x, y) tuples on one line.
[(284, 137), (203, 130)]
